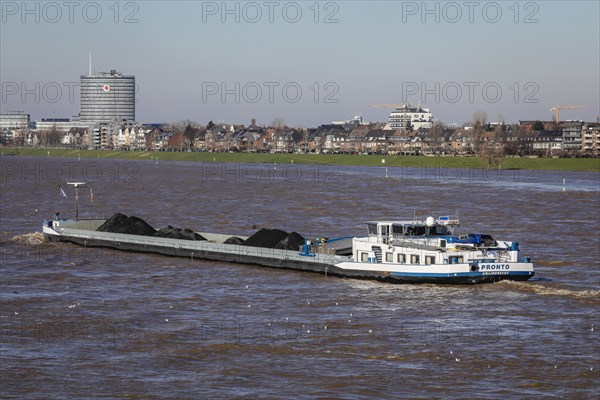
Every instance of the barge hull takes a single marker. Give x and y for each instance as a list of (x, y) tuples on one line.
[(85, 233), (282, 263), (241, 258)]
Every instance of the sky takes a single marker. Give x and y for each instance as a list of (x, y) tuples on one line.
[(307, 62)]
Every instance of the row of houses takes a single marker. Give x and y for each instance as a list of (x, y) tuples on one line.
[(377, 138), (571, 137)]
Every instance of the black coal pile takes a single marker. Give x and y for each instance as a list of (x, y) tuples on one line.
[(120, 223), (269, 238), (234, 240), (177, 233), (293, 241), (275, 239)]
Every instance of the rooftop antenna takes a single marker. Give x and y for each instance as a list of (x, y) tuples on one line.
[(90, 66)]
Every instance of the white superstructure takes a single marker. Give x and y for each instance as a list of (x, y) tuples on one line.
[(412, 117)]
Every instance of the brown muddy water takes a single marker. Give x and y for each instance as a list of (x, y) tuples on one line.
[(99, 323)]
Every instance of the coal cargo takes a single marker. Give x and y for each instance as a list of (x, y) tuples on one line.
[(275, 239), (234, 240), (177, 233), (120, 223), (293, 241)]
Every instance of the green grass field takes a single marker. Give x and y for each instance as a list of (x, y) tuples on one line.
[(558, 164)]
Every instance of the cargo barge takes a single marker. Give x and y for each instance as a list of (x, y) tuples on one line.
[(413, 251)]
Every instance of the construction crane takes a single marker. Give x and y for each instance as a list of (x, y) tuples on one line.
[(559, 107), (396, 106)]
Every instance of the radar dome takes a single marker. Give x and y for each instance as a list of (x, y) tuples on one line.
[(430, 221)]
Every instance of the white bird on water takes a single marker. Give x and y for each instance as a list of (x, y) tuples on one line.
[(457, 359)]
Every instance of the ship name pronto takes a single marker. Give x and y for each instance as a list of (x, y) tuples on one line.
[(492, 267)]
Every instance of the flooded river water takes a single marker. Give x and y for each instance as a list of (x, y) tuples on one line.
[(99, 323)]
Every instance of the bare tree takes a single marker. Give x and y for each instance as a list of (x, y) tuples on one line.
[(52, 137), (181, 125), (500, 119), (436, 133), (479, 120), (278, 123)]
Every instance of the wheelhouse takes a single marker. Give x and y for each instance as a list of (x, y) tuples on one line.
[(389, 230)]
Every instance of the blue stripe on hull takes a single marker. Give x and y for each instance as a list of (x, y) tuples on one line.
[(458, 278), (459, 274)]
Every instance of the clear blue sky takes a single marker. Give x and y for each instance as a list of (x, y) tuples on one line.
[(538, 54)]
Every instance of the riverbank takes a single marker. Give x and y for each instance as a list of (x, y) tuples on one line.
[(555, 164)]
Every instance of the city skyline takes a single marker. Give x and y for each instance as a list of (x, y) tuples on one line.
[(308, 63)]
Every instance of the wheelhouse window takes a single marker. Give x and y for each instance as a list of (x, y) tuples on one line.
[(441, 231), (397, 230), (415, 259), (364, 257), (384, 230), (429, 260), (401, 258), (415, 231), (372, 228), (389, 257)]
